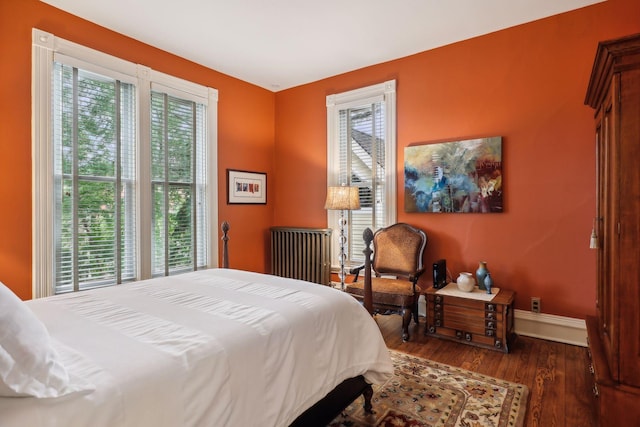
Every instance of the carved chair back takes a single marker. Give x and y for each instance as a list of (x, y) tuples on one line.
[(398, 250)]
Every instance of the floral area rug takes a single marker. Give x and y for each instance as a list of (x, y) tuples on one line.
[(426, 393)]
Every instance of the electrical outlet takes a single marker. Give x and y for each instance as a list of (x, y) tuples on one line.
[(535, 304)]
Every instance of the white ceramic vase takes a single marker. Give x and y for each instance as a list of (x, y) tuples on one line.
[(466, 282)]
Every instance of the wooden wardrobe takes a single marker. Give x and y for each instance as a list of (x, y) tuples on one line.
[(614, 333)]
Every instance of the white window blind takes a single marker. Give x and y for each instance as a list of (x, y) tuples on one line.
[(178, 175), (361, 152), (94, 135), (362, 165)]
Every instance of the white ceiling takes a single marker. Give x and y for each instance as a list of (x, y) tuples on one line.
[(279, 44)]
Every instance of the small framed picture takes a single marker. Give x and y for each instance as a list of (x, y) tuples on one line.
[(244, 187)]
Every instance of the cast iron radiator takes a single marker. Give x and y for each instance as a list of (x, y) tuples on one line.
[(301, 253)]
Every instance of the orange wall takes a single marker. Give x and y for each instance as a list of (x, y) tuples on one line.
[(526, 84), (245, 125)]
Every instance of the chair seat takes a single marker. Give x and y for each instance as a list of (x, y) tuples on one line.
[(386, 291)]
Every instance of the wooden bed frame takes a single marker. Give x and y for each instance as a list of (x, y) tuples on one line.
[(329, 407)]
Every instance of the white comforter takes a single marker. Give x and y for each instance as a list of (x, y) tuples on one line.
[(210, 348)]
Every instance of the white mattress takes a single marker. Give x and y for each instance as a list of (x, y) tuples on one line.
[(211, 348)]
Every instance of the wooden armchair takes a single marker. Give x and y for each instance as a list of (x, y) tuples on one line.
[(397, 251)]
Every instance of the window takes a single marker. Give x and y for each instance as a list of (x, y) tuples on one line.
[(122, 187), (94, 137), (178, 184), (361, 150)]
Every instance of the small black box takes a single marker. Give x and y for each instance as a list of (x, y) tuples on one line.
[(440, 274)]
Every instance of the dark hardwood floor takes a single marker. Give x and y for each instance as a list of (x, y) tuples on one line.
[(557, 374)]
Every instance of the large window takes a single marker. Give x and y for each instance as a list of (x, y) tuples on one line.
[(177, 184), (94, 138), (124, 170), (361, 126)]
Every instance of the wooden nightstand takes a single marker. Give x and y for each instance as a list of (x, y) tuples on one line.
[(457, 316)]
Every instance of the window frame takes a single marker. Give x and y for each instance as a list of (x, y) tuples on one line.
[(45, 47), (383, 92)]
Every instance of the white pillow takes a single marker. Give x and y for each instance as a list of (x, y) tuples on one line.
[(29, 365)]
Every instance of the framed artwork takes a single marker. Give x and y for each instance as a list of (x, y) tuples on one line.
[(245, 187), (454, 177)]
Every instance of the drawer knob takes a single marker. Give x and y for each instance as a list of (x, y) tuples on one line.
[(459, 335), (491, 307), (467, 336), (489, 332), (438, 299)]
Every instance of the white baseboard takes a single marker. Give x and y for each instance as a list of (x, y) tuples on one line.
[(550, 327), (422, 306)]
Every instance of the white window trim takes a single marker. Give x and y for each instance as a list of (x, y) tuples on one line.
[(385, 92), (45, 46)]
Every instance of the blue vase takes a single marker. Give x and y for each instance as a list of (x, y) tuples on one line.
[(488, 282), (481, 273)]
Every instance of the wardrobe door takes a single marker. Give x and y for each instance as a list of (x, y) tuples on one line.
[(606, 202), (627, 292)]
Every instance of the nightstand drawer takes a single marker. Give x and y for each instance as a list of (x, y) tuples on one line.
[(467, 337)]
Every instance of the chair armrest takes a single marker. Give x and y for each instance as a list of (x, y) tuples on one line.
[(415, 276), (356, 271)]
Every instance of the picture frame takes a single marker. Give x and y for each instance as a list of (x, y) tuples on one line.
[(246, 188), (454, 177)]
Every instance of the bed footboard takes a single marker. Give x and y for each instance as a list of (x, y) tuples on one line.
[(333, 403)]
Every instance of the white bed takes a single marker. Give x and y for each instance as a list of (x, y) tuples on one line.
[(212, 348)]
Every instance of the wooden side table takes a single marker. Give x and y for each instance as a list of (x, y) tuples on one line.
[(459, 317)]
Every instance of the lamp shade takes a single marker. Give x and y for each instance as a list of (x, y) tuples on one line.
[(342, 198)]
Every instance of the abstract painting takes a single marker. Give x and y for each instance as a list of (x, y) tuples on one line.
[(451, 177)]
